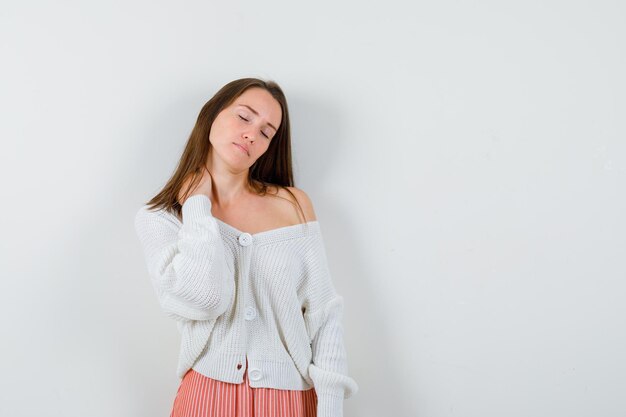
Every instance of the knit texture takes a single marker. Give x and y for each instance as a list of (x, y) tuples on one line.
[(267, 296)]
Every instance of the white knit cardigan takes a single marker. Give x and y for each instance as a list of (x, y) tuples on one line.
[(267, 297)]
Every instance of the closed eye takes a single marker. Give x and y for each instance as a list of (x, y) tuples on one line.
[(243, 118)]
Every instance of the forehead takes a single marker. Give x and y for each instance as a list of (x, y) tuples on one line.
[(263, 102)]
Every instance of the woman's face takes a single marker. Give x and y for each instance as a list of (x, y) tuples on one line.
[(242, 132)]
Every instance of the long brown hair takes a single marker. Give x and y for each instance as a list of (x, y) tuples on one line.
[(272, 168)]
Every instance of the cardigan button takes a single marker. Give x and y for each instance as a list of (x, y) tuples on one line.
[(245, 239), (238, 366), (250, 313), (255, 374)]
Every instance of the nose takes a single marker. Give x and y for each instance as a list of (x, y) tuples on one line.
[(249, 137)]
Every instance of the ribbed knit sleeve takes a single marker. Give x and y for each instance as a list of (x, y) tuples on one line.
[(323, 319), (186, 263)]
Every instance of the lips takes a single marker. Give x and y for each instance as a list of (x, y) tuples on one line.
[(243, 148)]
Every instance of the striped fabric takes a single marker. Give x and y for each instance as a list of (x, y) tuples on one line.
[(201, 396)]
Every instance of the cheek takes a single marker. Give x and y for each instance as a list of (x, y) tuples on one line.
[(265, 147), (222, 131)]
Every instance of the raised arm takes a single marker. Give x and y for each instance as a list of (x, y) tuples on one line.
[(186, 263)]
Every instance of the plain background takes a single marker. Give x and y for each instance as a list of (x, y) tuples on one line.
[(466, 160)]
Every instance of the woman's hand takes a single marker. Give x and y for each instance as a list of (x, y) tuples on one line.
[(203, 187)]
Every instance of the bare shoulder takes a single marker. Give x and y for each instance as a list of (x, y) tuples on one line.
[(304, 201)]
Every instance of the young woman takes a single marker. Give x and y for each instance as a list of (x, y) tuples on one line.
[(236, 256)]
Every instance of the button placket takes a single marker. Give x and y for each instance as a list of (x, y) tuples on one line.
[(245, 239)]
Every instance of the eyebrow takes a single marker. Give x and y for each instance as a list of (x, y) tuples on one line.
[(257, 113)]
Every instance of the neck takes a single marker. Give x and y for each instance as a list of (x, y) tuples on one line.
[(229, 187)]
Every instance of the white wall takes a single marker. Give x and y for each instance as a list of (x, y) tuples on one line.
[(467, 161)]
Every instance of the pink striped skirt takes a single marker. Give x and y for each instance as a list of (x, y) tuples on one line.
[(201, 396)]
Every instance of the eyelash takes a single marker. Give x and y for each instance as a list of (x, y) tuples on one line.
[(261, 131)]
